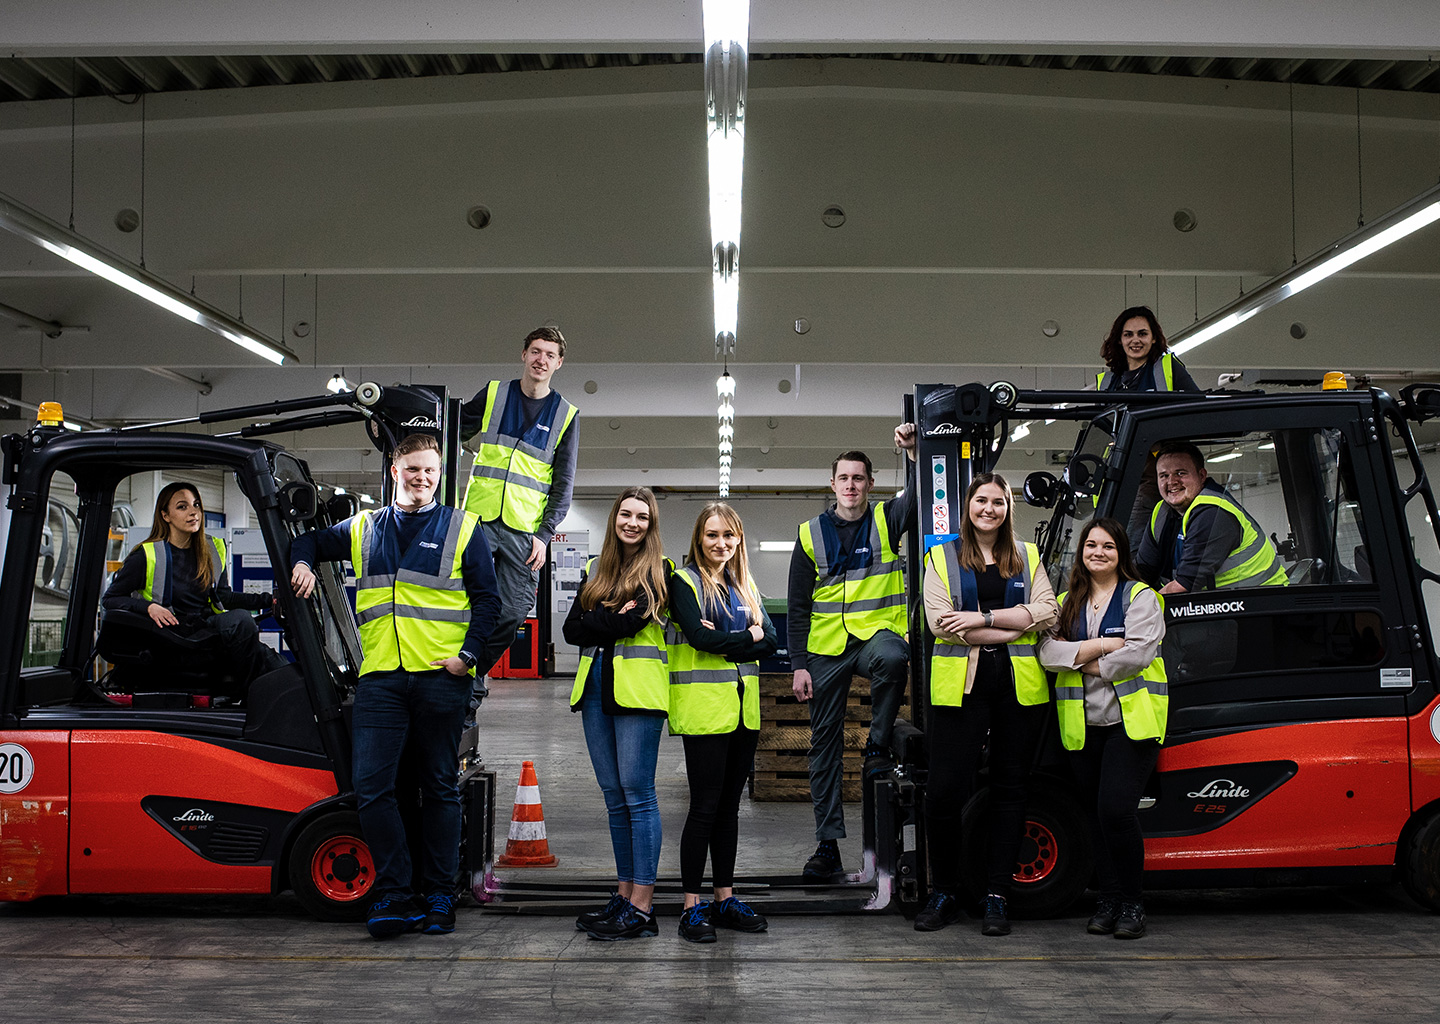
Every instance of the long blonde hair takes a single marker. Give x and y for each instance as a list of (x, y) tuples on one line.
[(713, 585), (617, 579), (200, 543), (1007, 556)]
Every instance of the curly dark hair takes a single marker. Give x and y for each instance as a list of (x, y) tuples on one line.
[(1112, 353)]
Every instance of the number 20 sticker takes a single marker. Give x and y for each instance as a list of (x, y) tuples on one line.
[(17, 767)]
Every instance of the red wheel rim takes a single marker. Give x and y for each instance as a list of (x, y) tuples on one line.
[(1039, 853), (342, 869)]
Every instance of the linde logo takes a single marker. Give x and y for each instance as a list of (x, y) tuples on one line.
[(194, 814), (422, 421), (1214, 608), (942, 428), (1216, 788)]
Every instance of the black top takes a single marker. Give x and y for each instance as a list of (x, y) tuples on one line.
[(735, 645), (186, 596), (601, 627), (899, 517), (990, 592), (1143, 378)]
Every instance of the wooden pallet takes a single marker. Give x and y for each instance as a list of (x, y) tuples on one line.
[(794, 787)]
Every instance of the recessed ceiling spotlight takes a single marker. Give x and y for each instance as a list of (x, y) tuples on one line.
[(1184, 219), (478, 217), (784, 387), (1050, 328), (1298, 330), (127, 220), (591, 387), (833, 217), (802, 326)]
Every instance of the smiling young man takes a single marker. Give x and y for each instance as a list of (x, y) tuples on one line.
[(1200, 537), (523, 477), (425, 601), (846, 613)]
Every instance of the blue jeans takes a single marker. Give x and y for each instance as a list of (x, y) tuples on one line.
[(391, 707), (623, 750)]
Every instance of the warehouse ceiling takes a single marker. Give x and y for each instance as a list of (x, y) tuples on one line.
[(937, 207)]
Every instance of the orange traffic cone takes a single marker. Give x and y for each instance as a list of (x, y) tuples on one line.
[(527, 846)]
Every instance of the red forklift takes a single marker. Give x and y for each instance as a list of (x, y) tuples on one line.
[(133, 764)]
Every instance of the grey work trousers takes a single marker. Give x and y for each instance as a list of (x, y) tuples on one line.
[(883, 659), (516, 582)]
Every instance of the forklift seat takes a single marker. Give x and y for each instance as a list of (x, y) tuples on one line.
[(148, 658)]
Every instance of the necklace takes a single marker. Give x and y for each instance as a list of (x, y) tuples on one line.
[(1100, 599)]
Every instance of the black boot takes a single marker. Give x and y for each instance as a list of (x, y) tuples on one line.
[(1131, 922)]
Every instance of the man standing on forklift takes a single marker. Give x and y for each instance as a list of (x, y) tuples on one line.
[(1200, 537), (523, 477), (425, 599), (846, 613)]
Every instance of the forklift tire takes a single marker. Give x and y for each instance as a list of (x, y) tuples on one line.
[(1055, 860), (1420, 864), (331, 870)]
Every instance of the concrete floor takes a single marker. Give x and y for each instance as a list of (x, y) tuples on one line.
[(1307, 955)]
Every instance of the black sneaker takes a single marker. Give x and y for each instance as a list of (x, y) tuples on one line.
[(695, 924), (877, 760), (585, 920), (393, 914), (941, 909), (440, 916), (1102, 922), (738, 915), (629, 922), (824, 864), (1130, 924), (996, 921)]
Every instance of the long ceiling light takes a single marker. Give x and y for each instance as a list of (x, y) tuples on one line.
[(1404, 220), (44, 232), (727, 35)]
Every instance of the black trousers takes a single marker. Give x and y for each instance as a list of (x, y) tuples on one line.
[(1111, 770), (718, 767), (957, 737)]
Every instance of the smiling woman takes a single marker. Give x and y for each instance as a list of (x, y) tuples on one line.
[(1138, 358)]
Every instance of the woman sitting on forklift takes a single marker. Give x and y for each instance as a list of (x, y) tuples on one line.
[(1137, 357), (1112, 701), (177, 577), (720, 632), (987, 598), (622, 691)]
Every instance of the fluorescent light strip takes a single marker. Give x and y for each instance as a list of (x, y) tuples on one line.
[(1404, 220), (39, 229)]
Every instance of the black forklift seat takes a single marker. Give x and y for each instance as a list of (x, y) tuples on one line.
[(149, 659)]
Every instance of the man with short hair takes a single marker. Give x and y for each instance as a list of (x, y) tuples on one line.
[(522, 480), (847, 613), (425, 599), (1200, 537)]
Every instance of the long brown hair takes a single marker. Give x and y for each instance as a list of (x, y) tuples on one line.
[(737, 571), (617, 579), (1007, 555), (1112, 353), (1077, 593), (200, 543)]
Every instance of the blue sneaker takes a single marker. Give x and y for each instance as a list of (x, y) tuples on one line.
[(740, 916), (695, 924), (629, 922), (393, 914), (592, 917), (440, 919), (942, 909)]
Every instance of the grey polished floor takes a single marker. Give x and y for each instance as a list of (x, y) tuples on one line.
[(1308, 955)]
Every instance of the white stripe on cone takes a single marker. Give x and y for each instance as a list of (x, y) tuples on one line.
[(527, 794), (527, 831)]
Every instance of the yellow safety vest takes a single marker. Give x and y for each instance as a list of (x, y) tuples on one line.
[(640, 663), (511, 477), (1162, 368), (858, 602), (1255, 563), (706, 689), (948, 660), (1144, 698), (157, 570), (416, 611)]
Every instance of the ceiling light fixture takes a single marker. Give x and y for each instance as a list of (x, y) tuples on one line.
[(1404, 220), (336, 384), (46, 233)]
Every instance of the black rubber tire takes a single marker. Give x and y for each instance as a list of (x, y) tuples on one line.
[(1051, 812), (1420, 863), (314, 897)]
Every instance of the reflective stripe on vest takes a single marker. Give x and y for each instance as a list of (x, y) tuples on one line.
[(948, 661), (1144, 698), (157, 568), (706, 689), (511, 478), (1254, 563), (640, 665), (1162, 371), (409, 618), (859, 602)]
